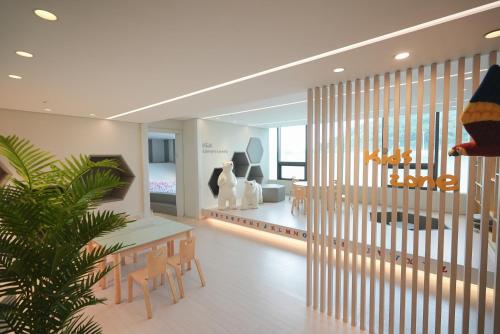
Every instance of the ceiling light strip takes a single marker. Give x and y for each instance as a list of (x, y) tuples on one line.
[(350, 47), (280, 122), (256, 109)]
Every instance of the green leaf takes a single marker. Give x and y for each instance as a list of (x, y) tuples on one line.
[(48, 214)]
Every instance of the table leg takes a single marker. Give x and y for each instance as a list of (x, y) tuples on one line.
[(155, 280), (189, 236), (103, 282), (118, 278)]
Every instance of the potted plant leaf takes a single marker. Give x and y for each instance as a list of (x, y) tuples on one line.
[(48, 214)]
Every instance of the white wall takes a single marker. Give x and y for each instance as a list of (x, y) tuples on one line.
[(225, 139), (65, 136), (191, 168)]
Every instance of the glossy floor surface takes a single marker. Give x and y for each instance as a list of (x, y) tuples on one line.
[(255, 284)]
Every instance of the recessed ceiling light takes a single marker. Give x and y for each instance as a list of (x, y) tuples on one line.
[(24, 54), (46, 15), (47, 109), (402, 55), (492, 34), (338, 70), (92, 115), (13, 76)]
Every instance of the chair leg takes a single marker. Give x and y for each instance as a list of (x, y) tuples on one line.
[(171, 284), (200, 272), (178, 274), (130, 289), (147, 301), (162, 279), (103, 282)]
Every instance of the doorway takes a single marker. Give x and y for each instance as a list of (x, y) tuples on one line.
[(162, 167)]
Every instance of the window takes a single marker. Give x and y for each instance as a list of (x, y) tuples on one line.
[(291, 152)]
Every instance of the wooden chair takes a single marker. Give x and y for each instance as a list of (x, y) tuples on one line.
[(299, 196), (185, 256), (290, 195), (156, 268)]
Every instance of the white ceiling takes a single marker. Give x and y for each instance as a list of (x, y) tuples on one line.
[(109, 57)]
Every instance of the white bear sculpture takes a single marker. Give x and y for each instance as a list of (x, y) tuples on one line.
[(227, 187), (252, 195)]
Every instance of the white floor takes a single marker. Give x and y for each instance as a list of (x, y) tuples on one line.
[(255, 284)]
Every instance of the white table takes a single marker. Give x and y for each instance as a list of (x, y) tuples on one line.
[(146, 233)]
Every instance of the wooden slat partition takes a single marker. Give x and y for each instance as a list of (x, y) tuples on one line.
[(338, 211), (331, 194), (364, 207), (309, 198), (471, 205), (324, 158), (496, 312), (428, 217), (355, 205), (347, 196), (394, 212), (442, 195), (315, 188), (416, 227), (488, 174), (342, 206), (404, 241), (383, 221), (374, 204), (456, 199)]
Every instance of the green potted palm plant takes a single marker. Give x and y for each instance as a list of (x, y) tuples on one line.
[(48, 214)]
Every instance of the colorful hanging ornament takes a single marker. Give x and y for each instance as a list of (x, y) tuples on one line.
[(481, 119)]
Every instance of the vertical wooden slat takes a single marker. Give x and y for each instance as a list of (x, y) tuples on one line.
[(364, 208), (416, 227), (442, 196), (383, 221), (347, 194), (355, 206), (324, 124), (315, 188), (489, 173), (338, 211), (456, 198), (496, 309), (331, 203), (404, 239), (469, 229), (428, 220), (394, 211), (374, 205), (310, 127)]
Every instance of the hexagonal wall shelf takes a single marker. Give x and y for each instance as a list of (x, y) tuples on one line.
[(255, 174), (212, 183), (4, 174), (125, 174), (241, 164), (255, 150)]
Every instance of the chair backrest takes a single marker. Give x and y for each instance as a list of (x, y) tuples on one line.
[(157, 262), (187, 250), (298, 192)]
